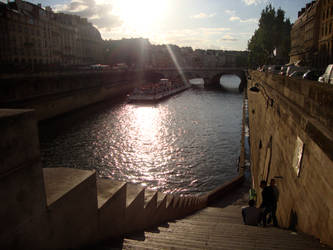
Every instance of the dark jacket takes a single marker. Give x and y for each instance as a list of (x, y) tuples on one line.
[(268, 197)]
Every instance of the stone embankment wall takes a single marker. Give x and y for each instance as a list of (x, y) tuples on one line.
[(291, 135), (55, 94)]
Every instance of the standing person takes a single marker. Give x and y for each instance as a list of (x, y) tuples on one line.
[(251, 214), (276, 196), (268, 200)]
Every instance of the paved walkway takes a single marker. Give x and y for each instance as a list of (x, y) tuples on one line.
[(218, 226)]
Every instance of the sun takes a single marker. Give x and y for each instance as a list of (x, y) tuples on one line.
[(141, 16)]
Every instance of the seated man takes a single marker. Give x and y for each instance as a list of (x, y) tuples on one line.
[(251, 214)]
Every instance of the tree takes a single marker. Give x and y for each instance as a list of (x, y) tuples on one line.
[(270, 43)]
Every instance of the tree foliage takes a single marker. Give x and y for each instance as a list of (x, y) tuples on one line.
[(273, 34)]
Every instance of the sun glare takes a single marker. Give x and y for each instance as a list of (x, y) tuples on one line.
[(141, 16)]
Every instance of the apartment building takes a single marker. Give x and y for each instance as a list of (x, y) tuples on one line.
[(32, 35), (325, 45), (305, 34), (312, 35)]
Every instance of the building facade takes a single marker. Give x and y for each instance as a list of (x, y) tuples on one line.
[(305, 34), (325, 46), (31, 35), (312, 35)]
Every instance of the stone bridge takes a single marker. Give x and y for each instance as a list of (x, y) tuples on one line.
[(211, 76)]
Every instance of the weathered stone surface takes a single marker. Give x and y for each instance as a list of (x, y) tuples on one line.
[(72, 207), (21, 180), (111, 208), (54, 94), (301, 109), (19, 143), (218, 228)]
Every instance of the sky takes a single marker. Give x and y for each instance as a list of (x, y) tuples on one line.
[(200, 24)]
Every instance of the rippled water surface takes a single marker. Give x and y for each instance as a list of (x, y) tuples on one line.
[(188, 143)]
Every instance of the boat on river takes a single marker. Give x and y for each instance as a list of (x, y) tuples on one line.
[(155, 92)]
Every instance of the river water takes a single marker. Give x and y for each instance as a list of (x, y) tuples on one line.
[(188, 143)]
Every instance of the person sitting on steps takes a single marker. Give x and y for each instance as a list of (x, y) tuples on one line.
[(251, 214)]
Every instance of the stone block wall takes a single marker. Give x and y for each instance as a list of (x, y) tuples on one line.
[(53, 94), (21, 183), (291, 138)]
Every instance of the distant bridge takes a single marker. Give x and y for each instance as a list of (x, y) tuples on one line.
[(211, 76)]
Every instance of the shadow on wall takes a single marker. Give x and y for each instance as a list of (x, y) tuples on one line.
[(292, 220)]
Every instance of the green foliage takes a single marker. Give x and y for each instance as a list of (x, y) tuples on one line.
[(272, 34)]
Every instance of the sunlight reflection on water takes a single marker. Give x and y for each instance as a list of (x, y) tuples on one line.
[(189, 143)]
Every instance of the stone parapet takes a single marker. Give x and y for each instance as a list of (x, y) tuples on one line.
[(291, 140), (21, 180), (313, 98)]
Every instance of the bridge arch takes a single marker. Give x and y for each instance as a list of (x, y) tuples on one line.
[(211, 76), (214, 82)]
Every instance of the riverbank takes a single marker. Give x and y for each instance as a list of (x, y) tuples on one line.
[(51, 95)]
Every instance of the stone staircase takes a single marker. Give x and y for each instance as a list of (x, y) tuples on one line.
[(216, 228), (81, 209)]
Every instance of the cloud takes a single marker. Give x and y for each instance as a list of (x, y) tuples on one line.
[(228, 38), (202, 37), (254, 2), (230, 12), (203, 15), (250, 20), (233, 17), (97, 12), (237, 18)]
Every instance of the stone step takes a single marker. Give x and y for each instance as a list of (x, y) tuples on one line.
[(160, 198), (169, 200), (161, 214), (150, 209), (241, 232), (191, 240), (137, 247), (219, 228), (106, 188), (134, 213), (149, 196), (71, 197), (133, 191), (111, 197), (158, 245)]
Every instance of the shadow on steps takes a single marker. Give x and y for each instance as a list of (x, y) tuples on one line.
[(238, 197)]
